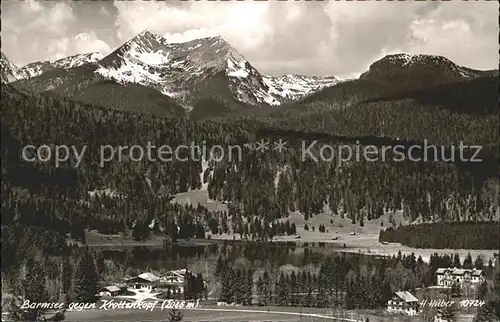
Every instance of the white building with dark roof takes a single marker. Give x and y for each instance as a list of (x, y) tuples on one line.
[(448, 276), (143, 281), (172, 284), (111, 290), (403, 303), (174, 281)]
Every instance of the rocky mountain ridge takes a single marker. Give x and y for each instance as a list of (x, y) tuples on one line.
[(210, 72), (10, 72), (38, 68)]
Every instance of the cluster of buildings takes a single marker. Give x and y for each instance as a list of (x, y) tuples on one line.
[(172, 283), (406, 303)]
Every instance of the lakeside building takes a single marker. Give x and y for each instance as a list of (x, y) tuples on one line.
[(448, 276), (172, 283), (403, 303), (143, 281), (111, 290)]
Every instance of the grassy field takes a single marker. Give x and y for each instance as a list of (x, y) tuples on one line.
[(213, 313), (199, 197), (364, 241), (253, 313), (95, 239), (189, 315)]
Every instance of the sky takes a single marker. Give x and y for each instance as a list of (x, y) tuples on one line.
[(335, 38)]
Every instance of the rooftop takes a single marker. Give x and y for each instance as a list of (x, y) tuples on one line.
[(407, 296), (149, 277), (459, 271), (111, 288)]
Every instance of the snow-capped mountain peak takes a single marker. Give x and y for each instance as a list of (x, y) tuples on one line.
[(38, 68), (146, 41), (184, 70), (189, 72)]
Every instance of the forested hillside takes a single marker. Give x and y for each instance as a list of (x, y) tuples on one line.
[(444, 114), (261, 185)]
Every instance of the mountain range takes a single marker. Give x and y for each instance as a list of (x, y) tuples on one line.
[(208, 77)]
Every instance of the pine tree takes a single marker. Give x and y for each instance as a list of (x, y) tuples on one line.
[(309, 284), (130, 261), (281, 290), (467, 262), (321, 291), (247, 300), (136, 231), (496, 285), (99, 263), (226, 294), (455, 289), (482, 293), (456, 261), (260, 290), (479, 262), (85, 280), (293, 289), (496, 293), (175, 315), (301, 287), (200, 286), (268, 291), (448, 313), (239, 289), (33, 289), (218, 267), (486, 313), (66, 272)]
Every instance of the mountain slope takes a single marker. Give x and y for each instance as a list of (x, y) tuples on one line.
[(419, 71), (129, 97), (294, 86), (205, 73), (38, 68), (460, 112), (183, 71), (82, 84), (473, 96), (403, 75), (187, 71), (10, 72)]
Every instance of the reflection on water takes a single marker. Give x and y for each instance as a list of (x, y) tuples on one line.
[(178, 256)]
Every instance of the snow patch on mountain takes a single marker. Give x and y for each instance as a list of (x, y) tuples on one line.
[(179, 70), (236, 69), (38, 68), (136, 67), (10, 72), (77, 60), (294, 86)]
